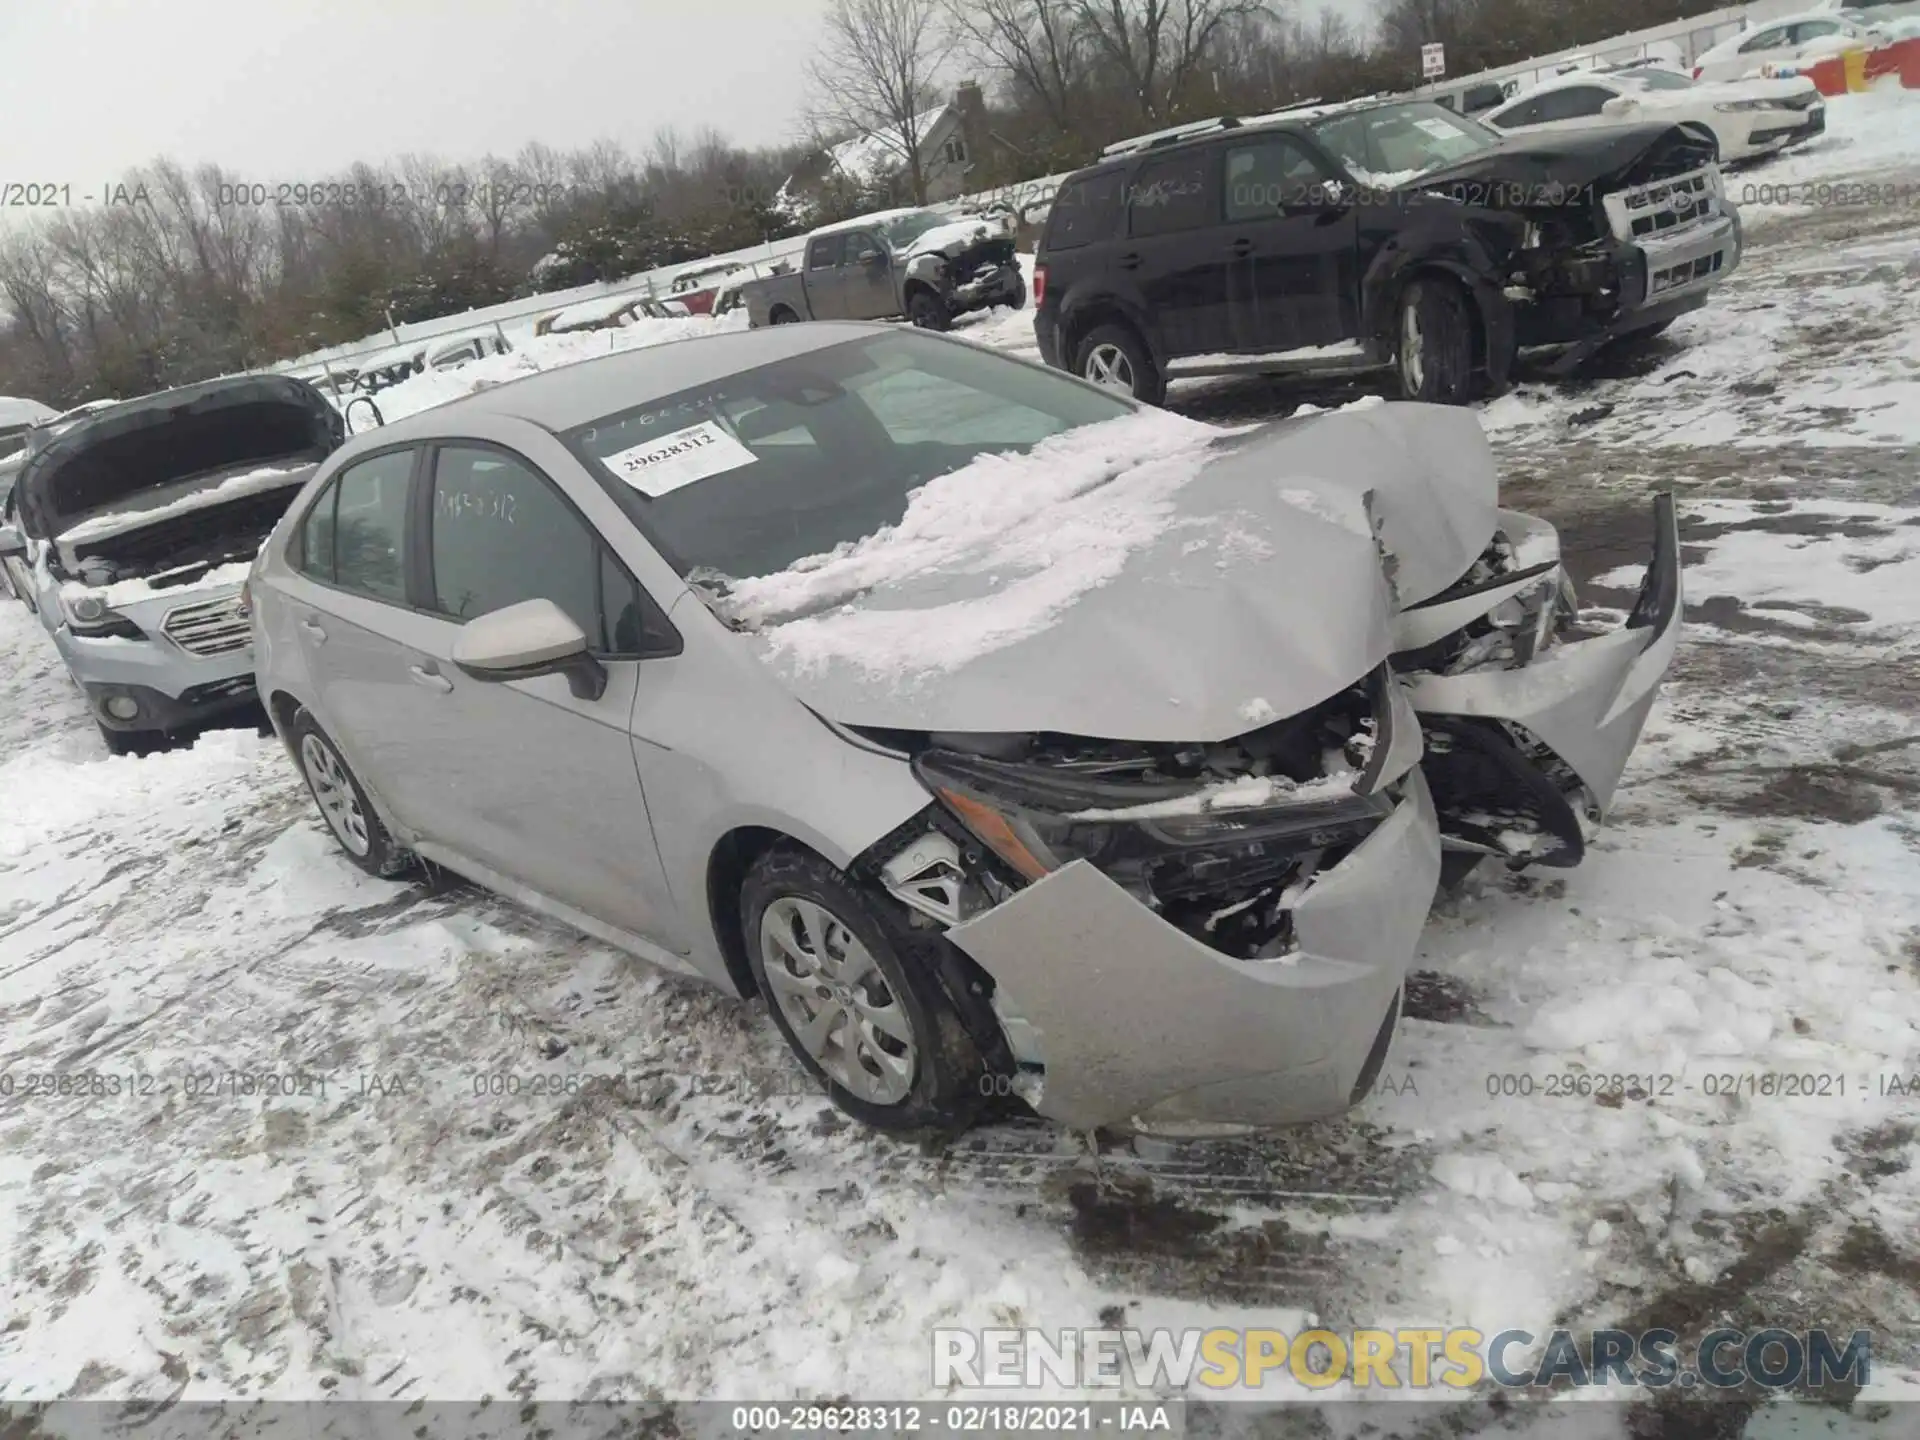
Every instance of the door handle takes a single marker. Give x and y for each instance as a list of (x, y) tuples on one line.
[(1129, 261), (318, 635), (432, 679), (1242, 248)]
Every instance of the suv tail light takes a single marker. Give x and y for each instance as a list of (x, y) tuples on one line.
[(1039, 283), (1696, 71)]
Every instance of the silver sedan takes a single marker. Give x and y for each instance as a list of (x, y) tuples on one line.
[(1002, 735)]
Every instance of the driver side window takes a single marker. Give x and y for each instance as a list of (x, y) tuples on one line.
[(1268, 175), (861, 242), (1766, 40), (1574, 103)]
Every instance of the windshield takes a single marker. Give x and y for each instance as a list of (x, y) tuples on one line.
[(746, 476), (1392, 144), (905, 229), (1654, 80)]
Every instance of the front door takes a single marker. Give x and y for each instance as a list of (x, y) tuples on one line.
[(1295, 280), (866, 278), (542, 782)]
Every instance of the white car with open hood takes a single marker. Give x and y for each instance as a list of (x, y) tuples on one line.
[(1747, 118), (1002, 733)]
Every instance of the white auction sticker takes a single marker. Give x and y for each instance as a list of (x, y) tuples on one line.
[(667, 462)]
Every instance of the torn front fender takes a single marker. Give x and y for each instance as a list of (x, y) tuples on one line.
[(1141, 1025), (1586, 701)]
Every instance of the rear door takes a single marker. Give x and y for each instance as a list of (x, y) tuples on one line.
[(1294, 278), (1176, 254), (1574, 107)]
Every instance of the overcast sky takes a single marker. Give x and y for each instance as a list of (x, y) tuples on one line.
[(292, 90)]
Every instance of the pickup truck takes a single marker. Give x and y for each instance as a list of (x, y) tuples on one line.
[(919, 264)]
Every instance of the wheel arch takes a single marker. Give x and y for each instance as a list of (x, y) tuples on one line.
[(1489, 311), (728, 862), (1076, 323)]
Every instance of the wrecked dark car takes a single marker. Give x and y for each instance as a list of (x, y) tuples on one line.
[(136, 527), (919, 264), (1373, 235), (1004, 734)]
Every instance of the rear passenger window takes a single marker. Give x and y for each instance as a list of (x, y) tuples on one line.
[(1085, 211), (1173, 194), (824, 253), (365, 544)]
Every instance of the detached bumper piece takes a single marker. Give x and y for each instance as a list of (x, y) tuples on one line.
[(1145, 1027), (1551, 735)]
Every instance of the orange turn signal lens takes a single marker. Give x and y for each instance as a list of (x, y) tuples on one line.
[(992, 828)]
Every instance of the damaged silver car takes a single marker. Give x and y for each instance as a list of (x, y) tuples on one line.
[(1002, 734)]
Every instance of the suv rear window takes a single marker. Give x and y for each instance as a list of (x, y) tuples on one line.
[(1085, 211)]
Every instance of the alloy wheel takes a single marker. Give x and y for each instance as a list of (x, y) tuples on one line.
[(1108, 367), (1412, 364), (335, 794), (837, 1003)]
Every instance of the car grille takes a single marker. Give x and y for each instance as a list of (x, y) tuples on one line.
[(1664, 205), (212, 627)]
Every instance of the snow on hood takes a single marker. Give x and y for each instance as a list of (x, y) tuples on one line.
[(1149, 578), (232, 487), (955, 239)]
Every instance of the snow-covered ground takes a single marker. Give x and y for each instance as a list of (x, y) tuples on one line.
[(272, 1129)]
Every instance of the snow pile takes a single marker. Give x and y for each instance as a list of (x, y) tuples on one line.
[(1039, 528), (533, 354)]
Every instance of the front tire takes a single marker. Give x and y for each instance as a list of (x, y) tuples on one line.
[(1434, 351), (862, 1012), (929, 312), (351, 820), (782, 316), (1114, 357)]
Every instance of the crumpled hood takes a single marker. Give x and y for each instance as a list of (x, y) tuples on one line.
[(1538, 161), (956, 239), (1242, 581)]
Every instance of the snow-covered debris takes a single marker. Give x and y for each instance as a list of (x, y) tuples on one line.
[(1103, 491)]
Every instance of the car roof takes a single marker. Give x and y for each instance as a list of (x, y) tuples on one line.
[(1162, 142), (574, 394), (864, 222)]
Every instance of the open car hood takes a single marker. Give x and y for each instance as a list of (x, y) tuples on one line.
[(155, 448), (1272, 583), (1535, 163)]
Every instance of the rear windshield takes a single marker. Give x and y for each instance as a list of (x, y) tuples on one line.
[(1085, 211), (744, 476)]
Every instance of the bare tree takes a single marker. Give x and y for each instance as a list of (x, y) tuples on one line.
[(1037, 45), (877, 74), (1159, 46)]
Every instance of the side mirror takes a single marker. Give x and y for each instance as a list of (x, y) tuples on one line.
[(1327, 196), (535, 637), (870, 257), (13, 545), (1620, 105)]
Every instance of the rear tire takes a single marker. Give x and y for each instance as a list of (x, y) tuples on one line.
[(1114, 357), (854, 999), (350, 819), (1434, 343), (1018, 300), (929, 312), (782, 316)]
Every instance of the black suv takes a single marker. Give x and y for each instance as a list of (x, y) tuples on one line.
[(1379, 233)]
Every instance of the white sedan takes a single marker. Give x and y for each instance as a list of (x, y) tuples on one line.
[(1791, 40), (1747, 117)]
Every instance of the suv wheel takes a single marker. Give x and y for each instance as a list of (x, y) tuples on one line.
[(928, 311), (1435, 349), (1115, 358), (858, 1008), (343, 804)]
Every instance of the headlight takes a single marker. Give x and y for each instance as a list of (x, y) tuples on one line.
[(1038, 818), (1748, 105), (88, 614)]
